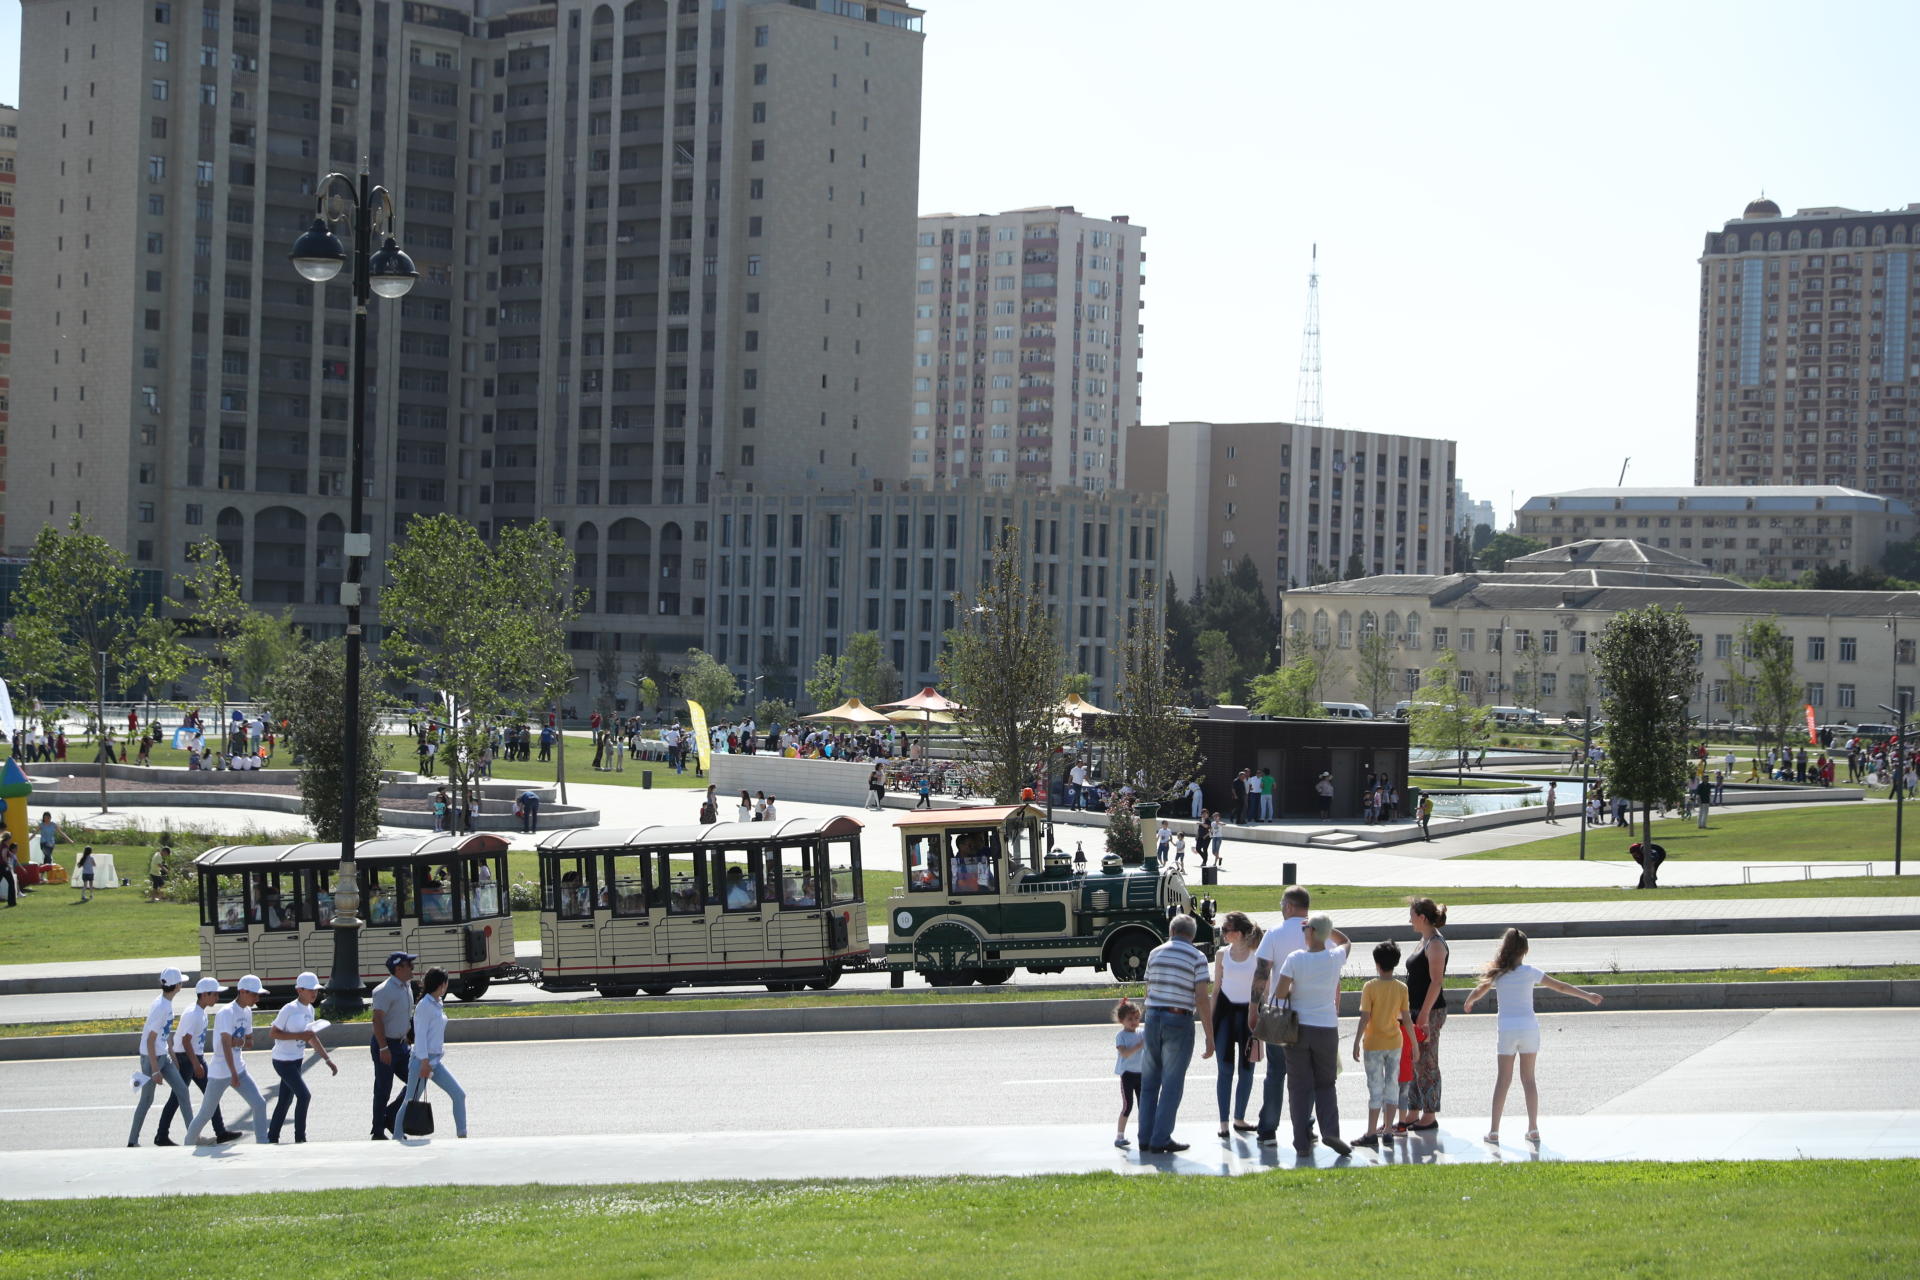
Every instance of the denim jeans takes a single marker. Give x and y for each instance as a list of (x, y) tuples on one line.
[(385, 1074), (293, 1093), (184, 1062), (416, 1085), (1273, 1090), (1231, 1042), (210, 1106), (1163, 1075), (169, 1075)]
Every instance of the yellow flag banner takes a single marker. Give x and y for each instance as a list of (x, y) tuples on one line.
[(702, 740)]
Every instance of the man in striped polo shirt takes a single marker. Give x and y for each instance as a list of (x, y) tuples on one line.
[(1177, 991)]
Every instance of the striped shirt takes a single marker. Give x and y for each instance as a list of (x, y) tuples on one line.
[(1174, 969)]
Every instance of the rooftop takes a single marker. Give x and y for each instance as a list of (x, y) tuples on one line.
[(1607, 551), (1724, 497)]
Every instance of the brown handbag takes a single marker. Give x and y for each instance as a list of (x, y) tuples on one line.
[(1278, 1024)]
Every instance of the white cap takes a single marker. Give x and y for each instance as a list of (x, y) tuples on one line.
[(170, 978), (307, 982), (250, 983), (206, 986)]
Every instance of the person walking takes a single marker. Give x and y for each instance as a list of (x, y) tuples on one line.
[(392, 1022), (1702, 797), (1163, 842), (49, 831), (227, 1061), (1553, 802), (876, 788), (1519, 1026), (86, 868), (293, 1027), (1277, 944), (1426, 974), (1177, 992), (1233, 991), (1266, 795), (189, 1038), (1217, 832), (1309, 980), (925, 787), (155, 1064), (157, 872), (1323, 789), (429, 1056)]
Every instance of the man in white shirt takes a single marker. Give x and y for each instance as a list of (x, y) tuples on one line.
[(1077, 780), (227, 1061), (1289, 936), (189, 1037), (1193, 798), (155, 1064)]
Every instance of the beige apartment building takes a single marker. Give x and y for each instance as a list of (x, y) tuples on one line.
[(661, 248), (1808, 371), (9, 154), (1308, 504), (1759, 531), (1026, 348), (1526, 637)]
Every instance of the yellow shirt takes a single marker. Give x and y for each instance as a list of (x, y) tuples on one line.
[(1383, 1000)]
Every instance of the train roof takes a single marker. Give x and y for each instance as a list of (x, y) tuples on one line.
[(243, 857), (713, 835), (975, 815)]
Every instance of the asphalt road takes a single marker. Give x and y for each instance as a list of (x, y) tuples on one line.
[(1798, 1060)]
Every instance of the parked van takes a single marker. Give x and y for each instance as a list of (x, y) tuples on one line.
[(1347, 710), (1517, 718)]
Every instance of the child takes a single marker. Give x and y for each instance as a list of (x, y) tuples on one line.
[(1519, 1028), (1130, 1044), (86, 874), (1384, 1028), (1179, 850)]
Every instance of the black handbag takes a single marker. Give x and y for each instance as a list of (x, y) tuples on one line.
[(420, 1116)]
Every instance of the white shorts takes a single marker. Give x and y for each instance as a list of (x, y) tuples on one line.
[(1519, 1040)]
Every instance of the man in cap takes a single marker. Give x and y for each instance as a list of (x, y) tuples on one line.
[(155, 1064), (1323, 788), (227, 1061), (392, 1019), (296, 1026), (189, 1037)]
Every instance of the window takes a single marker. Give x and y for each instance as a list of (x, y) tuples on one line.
[(1816, 648), (160, 50), (1816, 695), (923, 865), (1579, 642), (1440, 636), (1849, 648), (753, 264), (1723, 646), (975, 862), (159, 90), (1844, 696), (762, 37)]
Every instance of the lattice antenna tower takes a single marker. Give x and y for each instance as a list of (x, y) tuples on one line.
[(1306, 404)]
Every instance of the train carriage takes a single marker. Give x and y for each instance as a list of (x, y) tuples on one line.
[(266, 909), (653, 908)]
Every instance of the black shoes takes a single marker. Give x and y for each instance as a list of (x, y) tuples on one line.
[(164, 1141), (1170, 1149), (1336, 1146)]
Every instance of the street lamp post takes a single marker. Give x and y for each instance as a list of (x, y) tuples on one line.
[(1899, 776), (388, 272), (1500, 676), (1586, 772)]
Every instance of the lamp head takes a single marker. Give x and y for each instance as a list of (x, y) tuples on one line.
[(390, 271), (317, 254)]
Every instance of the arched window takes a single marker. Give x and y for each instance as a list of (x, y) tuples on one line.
[(1754, 241), (1773, 240), (1879, 235), (1859, 237), (1320, 635), (1393, 626), (1346, 630), (1297, 625), (1733, 244), (1369, 624), (1815, 239), (1413, 630), (1899, 235), (1793, 240)]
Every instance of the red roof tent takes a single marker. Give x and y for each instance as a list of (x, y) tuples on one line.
[(949, 817), (928, 699)]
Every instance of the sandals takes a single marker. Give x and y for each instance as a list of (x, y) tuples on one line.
[(1533, 1137), (1492, 1139)]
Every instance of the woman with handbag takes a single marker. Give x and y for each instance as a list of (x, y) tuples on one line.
[(429, 1060), (1233, 992), (1309, 981)]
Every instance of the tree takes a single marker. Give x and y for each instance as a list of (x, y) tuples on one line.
[(1004, 663), (1182, 635), (707, 681), (308, 692), (265, 643), (606, 676), (155, 656), (216, 615), (1123, 830), (1502, 547), (1149, 742), (1238, 607), (1079, 682), (1646, 665), (485, 625), (776, 710), (36, 663), (866, 672), (646, 691), (1356, 567), (80, 589), (1765, 683), (1291, 689), (1442, 715), (1373, 669), (1219, 666)]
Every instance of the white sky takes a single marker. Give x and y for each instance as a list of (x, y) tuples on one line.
[(1509, 198)]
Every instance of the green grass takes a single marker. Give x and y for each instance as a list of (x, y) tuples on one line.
[(1694, 1221), (1257, 898), (1816, 833)]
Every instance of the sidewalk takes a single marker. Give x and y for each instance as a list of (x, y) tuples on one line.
[(244, 1168)]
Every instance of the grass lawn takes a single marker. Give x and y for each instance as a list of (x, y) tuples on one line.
[(1527, 1220), (1816, 833), (1254, 898)]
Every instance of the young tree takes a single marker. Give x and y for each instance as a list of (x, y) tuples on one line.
[(81, 588), (216, 615), (646, 691), (1766, 684), (1493, 554), (707, 681), (823, 688), (36, 663), (1079, 682), (1149, 742), (155, 656), (866, 672), (606, 676), (776, 711), (1373, 669), (1646, 664), (1290, 689), (266, 643), (1219, 666), (1443, 715), (1004, 663), (308, 692), (1239, 607)]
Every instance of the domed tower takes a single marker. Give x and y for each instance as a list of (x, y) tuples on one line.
[(1762, 208)]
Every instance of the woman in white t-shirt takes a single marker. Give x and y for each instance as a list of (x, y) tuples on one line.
[(1519, 1028)]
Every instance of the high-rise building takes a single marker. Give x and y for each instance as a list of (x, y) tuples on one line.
[(1026, 348), (9, 153), (1808, 370), (1308, 504), (1467, 512), (660, 244)]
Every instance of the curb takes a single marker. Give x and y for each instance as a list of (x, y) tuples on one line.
[(1624, 998)]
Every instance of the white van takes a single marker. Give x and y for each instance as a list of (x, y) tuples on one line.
[(1347, 710), (1517, 718)]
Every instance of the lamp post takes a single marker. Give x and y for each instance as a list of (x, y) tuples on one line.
[(1899, 776), (106, 741), (388, 272), (1586, 772), (1500, 676)]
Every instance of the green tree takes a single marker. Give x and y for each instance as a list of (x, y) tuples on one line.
[(1356, 567), (776, 711), (1149, 742), (1765, 683), (1646, 665), (1493, 555), (80, 588), (216, 616), (1443, 715), (265, 643), (36, 664), (1079, 682), (1182, 635), (309, 692), (1291, 689), (823, 687), (155, 656), (606, 677), (1219, 666), (646, 691), (707, 681), (1004, 663), (1373, 669), (1238, 606), (866, 672)]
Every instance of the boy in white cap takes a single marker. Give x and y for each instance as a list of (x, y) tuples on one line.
[(293, 1027), (155, 1063), (189, 1039), (227, 1061)]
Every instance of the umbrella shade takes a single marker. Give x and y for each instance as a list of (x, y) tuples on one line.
[(923, 717), (928, 699), (1075, 705), (852, 710)]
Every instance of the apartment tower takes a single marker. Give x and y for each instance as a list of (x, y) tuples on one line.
[(9, 152)]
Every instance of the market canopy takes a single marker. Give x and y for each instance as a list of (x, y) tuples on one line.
[(928, 699), (852, 710), (924, 717), (1075, 705)]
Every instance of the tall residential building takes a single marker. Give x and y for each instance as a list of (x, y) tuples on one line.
[(1308, 504), (9, 152), (1026, 348), (1467, 512), (661, 245), (1808, 370)]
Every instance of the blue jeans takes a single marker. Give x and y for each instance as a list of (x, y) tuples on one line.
[(1163, 1075), (1273, 1090), (293, 1093), (384, 1076), (416, 1086), (169, 1075), (210, 1106), (1231, 1042)]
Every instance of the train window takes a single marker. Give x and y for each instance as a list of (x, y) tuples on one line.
[(571, 897), (976, 861), (770, 888), (483, 887), (793, 867), (385, 894), (228, 900), (733, 886), (1022, 841), (439, 895), (627, 884), (316, 897), (923, 864), (273, 900), (681, 879), (845, 886), (843, 860)]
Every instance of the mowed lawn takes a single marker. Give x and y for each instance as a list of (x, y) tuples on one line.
[(1686, 1221), (1812, 833)]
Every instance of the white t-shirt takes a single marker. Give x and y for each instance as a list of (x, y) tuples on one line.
[(159, 1023), (232, 1020), (1316, 985), (1515, 990), (296, 1017), (1278, 943), (191, 1027)]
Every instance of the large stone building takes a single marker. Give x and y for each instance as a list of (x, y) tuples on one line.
[(1808, 373), (1026, 348), (662, 247), (795, 575), (9, 153), (1762, 531), (1308, 504), (1526, 636)]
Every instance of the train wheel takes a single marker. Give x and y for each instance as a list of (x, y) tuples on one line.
[(826, 983), (995, 976), (1127, 961), (471, 988), (658, 989), (617, 990)]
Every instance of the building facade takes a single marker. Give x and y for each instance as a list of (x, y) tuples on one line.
[(1306, 503), (1026, 348), (9, 154), (661, 248), (1808, 373), (795, 575), (1467, 512), (1761, 531), (1527, 636)]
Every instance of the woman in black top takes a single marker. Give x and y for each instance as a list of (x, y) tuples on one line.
[(1426, 976)]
